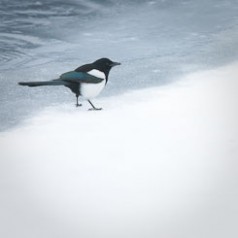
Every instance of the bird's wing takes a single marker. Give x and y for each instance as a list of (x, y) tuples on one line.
[(79, 77), (84, 68)]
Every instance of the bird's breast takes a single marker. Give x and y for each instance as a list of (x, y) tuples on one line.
[(91, 90)]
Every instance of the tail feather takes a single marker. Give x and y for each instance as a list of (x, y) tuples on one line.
[(43, 83)]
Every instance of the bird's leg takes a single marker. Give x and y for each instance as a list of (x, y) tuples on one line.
[(77, 101), (93, 107)]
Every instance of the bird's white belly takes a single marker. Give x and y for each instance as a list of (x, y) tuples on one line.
[(89, 90)]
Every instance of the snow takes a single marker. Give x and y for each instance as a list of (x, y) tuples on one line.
[(156, 162)]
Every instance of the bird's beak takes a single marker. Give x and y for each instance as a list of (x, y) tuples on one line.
[(115, 64)]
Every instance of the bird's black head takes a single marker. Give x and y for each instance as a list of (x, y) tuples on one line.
[(104, 65)]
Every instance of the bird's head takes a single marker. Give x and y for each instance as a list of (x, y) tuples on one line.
[(104, 65)]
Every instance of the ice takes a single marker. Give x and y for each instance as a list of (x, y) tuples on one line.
[(156, 41)]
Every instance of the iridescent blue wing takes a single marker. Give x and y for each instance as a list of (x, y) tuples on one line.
[(79, 77)]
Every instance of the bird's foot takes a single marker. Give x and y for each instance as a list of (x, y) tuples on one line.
[(94, 109), (78, 105)]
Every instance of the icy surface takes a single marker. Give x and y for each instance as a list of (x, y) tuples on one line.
[(156, 41)]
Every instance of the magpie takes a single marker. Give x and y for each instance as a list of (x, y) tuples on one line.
[(87, 80)]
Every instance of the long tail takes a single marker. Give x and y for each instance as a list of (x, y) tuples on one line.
[(43, 83)]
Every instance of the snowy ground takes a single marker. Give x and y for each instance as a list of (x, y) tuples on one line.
[(158, 162)]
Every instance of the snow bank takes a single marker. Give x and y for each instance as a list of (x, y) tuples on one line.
[(159, 162)]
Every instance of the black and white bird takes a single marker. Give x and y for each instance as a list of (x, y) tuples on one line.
[(87, 80)]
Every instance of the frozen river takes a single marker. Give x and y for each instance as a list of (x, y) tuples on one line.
[(156, 41)]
